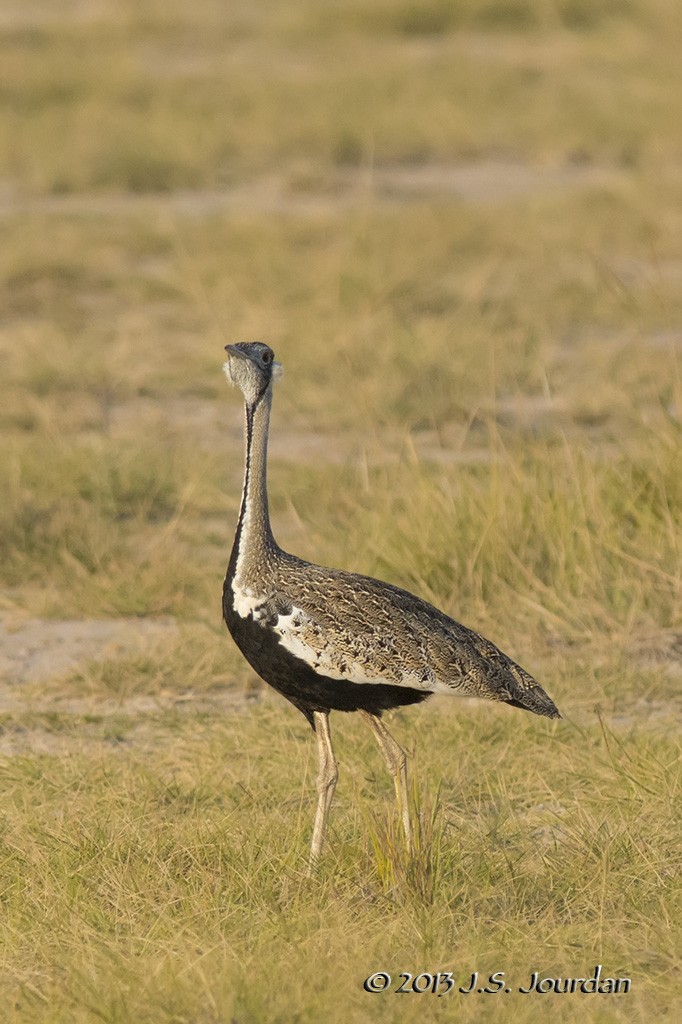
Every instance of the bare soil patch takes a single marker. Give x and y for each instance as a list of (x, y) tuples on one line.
[(481, 181), (38, 649)]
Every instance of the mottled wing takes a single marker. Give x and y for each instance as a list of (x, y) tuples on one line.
[(361, 630)]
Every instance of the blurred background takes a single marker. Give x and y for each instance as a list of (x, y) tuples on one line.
[(447, 217), (459, 225)]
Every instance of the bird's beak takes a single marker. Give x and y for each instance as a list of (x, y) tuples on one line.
[(232, 350)]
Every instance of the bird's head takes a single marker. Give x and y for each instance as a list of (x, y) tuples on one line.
[(251, 366)]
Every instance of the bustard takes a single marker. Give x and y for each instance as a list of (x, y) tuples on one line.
[(330, 640)]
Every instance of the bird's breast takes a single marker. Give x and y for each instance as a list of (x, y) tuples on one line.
[(246, 601)]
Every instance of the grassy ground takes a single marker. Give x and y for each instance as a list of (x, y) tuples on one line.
[(458, 224)]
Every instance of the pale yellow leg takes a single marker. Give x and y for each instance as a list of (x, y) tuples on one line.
[(396, 760), (326, 781)]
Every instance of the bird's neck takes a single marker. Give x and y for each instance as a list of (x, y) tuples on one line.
[(254, 542)]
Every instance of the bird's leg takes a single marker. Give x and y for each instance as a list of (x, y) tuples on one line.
[(326, 781), (396, 759)]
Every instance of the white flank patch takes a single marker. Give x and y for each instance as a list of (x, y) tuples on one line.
[(246, 603), (291, 630)]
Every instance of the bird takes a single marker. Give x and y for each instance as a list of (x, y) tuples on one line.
[(332, 640)]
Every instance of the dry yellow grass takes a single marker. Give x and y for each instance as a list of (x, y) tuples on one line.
[(458, 224)]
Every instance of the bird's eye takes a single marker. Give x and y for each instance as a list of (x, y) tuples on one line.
[(266, 358)]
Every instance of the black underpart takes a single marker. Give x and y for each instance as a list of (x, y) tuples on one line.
[(301, 684)]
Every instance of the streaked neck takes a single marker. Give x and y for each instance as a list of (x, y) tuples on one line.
[(254, 540)]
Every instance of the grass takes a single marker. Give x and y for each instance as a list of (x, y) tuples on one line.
[(182, 875), (482, 402)]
